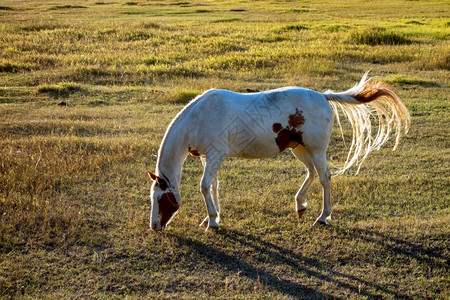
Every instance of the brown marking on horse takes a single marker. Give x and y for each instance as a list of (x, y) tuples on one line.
[(168, 205), (276, 127), (160, 182), (296, 119), (193, 152), (290, 136)]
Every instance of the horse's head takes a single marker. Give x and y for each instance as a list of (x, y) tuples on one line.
[(165, 202)]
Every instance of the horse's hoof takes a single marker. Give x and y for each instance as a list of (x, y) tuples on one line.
[(301, 212), (213, 223), (213, 228), (319, 222)]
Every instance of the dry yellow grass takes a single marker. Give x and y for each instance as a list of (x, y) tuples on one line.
[(87, 89)]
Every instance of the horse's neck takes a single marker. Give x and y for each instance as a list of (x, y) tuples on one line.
[(172, 154)]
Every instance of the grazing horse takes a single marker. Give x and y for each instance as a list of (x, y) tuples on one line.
[(220, 124)]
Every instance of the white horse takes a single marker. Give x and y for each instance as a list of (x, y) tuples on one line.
[(220, 124)]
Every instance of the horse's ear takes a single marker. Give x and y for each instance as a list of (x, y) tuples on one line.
[(159, 181), (163, 185), (152, 176)]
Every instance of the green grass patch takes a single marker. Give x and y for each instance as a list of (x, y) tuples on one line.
[(414, 22), (202, 11), (13, 67), (61, 88), (67, 6), (155, 61), (229, 20), (133, 12), (7, 8), (378, 36), (181, 96), (410, 80), (291, 27), (337, 28), (40, 25), (180, 3)]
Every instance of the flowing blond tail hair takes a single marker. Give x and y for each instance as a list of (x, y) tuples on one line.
[(360, 104)]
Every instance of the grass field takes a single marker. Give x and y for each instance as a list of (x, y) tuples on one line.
[(87, 89)]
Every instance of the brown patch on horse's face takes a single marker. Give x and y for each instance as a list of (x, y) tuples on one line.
[(168, 205), (162, 184), (290, 136), (167, 202)]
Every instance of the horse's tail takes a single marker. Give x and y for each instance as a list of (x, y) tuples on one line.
[(359, 104)]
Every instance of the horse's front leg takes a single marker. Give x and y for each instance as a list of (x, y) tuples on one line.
[(214, 189), (209, 179)]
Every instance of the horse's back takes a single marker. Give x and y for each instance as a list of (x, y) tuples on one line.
[(250, 125), (226, 102)]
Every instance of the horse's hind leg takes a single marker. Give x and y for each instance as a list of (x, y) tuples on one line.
[(211, 167), (306, 159), (321, 165)]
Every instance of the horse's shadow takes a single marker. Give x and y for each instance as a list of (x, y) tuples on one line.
[(282, 257), (238, 265)]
